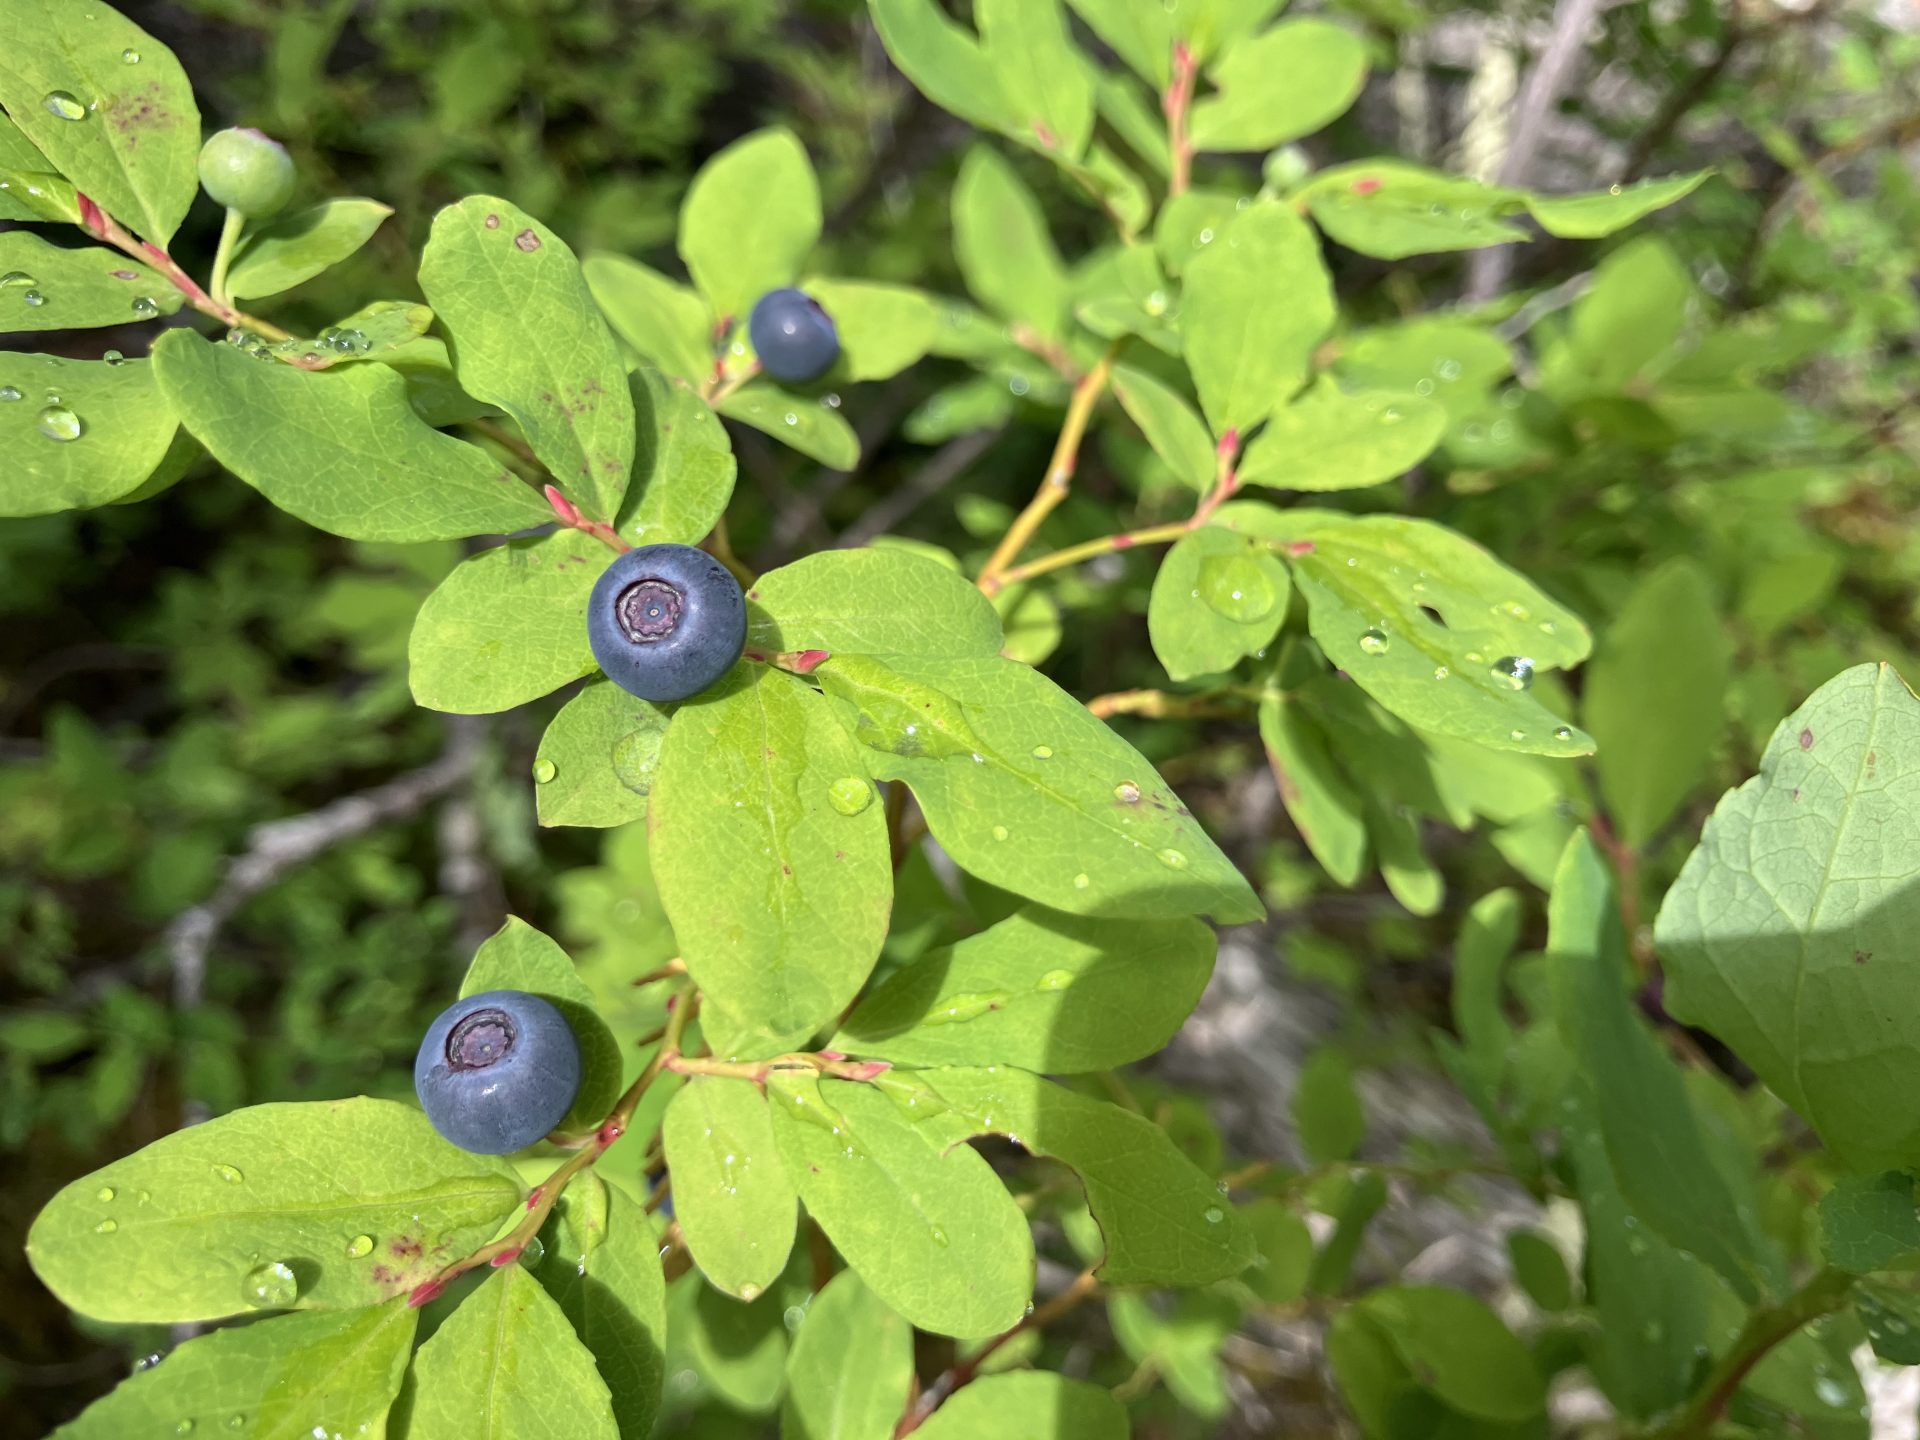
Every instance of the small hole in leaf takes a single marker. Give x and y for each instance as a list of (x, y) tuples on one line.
[(1433, 615)]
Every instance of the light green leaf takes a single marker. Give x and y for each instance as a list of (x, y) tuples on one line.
[(1047, 992), (1602, 212), (18, 160), (883, 328), (1190, 223), (935, 1235), (731, 1195), (750, 219), (1297, 78), (39, 195), (1391, 210), (1892, 1320), (126, 133), (1626, 325), (1870, 1222), (683, 467), (1049, 1407), (1053, 787), (1278, 1274), (1455, 1346), (507, 626), (1326, 1108), (1047, 82), (125, 428), (1655, 698), (526, 336), (816, 430), (519, 957), (663, 320), (341, 450), (292, 249), (944, 61), (1257, 301), (850, 1369), (53, 287), (1452, 361), (1209, 26), (1165, 1223), (1411, 877), (176, 1230), (1033, 623), (770, 852), (739, 1350), (596, 762), (506, 1366), (1141, 35), (1001, 242), (603, 1269), (1175, 432), (1480, 955), (379, 331), (337, 1373), (1331, 440), (1370, 584), (1180, 1342), (1218, 598), (1785, 931), (1319, 800), (870, 602)]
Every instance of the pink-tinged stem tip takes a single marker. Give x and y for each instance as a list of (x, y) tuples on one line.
[(425, 1293)]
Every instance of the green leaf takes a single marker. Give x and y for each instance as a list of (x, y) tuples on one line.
[(1629, 320), (663, 320), (284, 1378), (125, 430), (526, 336), (1319, 799), (1164, 1222), (603, 1269), (683, 467), (506, 1365), (1323, 65), (870, 602), (935, 1235), (1455, 1346), (1001, 242), (731, 1195), (883, 328), (519, 957), (1176, 433), (18, 159), (769, 851), (1257, 302), (341, 450), (1141, 35), (39, 195), (1655, 698), (1391, 210), (1284, 1249), (507, 626), (598, 758), (1049, 1407), (136, 137), (1783, 934), (1218, 598), (291, 249), (1654, 1140), (815, 429), (1487, 938), (1209, 26), (1047, 82), (1436, 630), (750, 219), (382, 330), (1331, 440), (1047, 992), (850, 1369), (1892, 1320), (1033, 623), (1602, 212), (739, 1350), (175, 1230), (1190, 223), (944, 61), (1326, 1108), (1540, 1269), (51, 287), (1869, 1222), (1453, 361), (1050, 781)]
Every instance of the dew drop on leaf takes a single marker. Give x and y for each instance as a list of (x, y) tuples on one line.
[(104, 1194), (999, 832), (60, 103), (14, 278), (1515, 671), (533, 1252), (234, 1422), (1236, 587), (358, 1246), (185, 1427), (749, 1292), (129, 57), (1043, 752), (636, 757), (544, 770), (1516, 735), (106, 1227), (938, 1236), (1127, 793), (1373, 642), (114, 357), (144, 307), (229, 1174), (1213, 1215), (271, 1286), (1174, 859), (1054, 980), (1081, 881), (850, 795), (34, 298), (1561, 732), (9, 392), (1440, 672)]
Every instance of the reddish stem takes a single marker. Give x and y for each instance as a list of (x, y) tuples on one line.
[(570, 516)]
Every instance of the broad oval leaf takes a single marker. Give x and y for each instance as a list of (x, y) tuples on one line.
[(814, 428), (341, 450), (739, 1350), (1176, 433), (683, 465), (124, 426), (943, 60), (883, 328), (54, 287), (850, 1369), (18, 158), (291, 249), (731, 1194), (1331, 440), (1048, 1405), (1785, 931), (1046, 81), (662, 319), (175, 1231), (1390, 210), (1141, 35), (597, 759), (870, 602), (1323, 65), (1000, 240), (1320, 800), (1217, 598), (1457, 1347), (750, 219), (770, 850), (1602, 212)]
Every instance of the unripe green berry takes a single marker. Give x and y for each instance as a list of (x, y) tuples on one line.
[(246, 171)]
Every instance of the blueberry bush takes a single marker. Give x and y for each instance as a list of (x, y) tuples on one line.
[(1450, 541)]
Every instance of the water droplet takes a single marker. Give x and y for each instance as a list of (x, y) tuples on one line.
[(9, 392), (234, 1422), (34, 298), (1440, 672), (1237, 586), (1173, 859), (1613, 189), (1447, 369), (15, 278), (1127, 793), (185, 1427), (1155, 303), (1561, 732), (57, 422), (271, 1286), (1423, 387), (1043, 752), (104, 1194), (1516, 671), (1213, 1215), (358, 1246), (1547, 627), (749, 1292), (1516, 735), (229, 1174), (791, 418), (999, 832), (129, 57), (1081, 881), (1831, 1392), (106, 1227), (938, 1236), (147, 1362), (144, 307), (114, 357), (850, 795), (60, 103), (1055, 980), (1390, 415), (533, 1252), (544, 770), (1373, 642)]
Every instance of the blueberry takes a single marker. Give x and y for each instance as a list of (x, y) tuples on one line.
[(247, 171), (793, 336), (666, 621), (497, 1071)]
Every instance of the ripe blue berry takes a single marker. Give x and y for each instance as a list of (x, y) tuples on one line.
[(666, 621), (247, 171), (793, 336), (497, 1071)]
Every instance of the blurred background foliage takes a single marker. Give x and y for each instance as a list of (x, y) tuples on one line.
[(1729, 385)]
